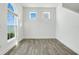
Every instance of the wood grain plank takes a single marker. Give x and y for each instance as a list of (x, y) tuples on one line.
[(41, 47)]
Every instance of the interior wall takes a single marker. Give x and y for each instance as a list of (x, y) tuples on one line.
[(6, 45), (67, 28), (2, 26), (72, 6), (41, 28)]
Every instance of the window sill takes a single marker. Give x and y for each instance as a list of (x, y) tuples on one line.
[(11, 39)]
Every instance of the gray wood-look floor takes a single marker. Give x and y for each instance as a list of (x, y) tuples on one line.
[(40, 47)]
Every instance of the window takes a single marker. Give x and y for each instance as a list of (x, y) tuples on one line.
[(32, 15), (11, 22), (46, 15)]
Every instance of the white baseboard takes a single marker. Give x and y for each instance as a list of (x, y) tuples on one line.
[(66, 44)]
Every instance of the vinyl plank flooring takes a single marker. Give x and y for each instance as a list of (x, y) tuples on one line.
[(41, 47)]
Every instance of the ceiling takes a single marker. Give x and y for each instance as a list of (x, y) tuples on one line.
[(39, 4)]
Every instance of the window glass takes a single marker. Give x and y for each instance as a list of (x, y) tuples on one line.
[(11, 22), (32, 15), (46, 15)]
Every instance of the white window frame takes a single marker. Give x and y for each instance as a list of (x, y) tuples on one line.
[(30, 17), (48, 13), (14, 26)]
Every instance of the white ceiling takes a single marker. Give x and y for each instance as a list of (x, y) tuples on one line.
[(39, 4)]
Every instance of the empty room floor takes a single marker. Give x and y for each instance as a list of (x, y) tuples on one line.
[(40, 47)]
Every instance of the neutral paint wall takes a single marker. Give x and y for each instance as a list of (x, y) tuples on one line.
[(6, 45), (41, 28), (2, 25), (67, 28), (72, 6)]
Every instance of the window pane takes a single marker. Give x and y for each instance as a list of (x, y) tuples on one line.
[(10, 7), (32, 15), (10, 18), (10, 21), (47, 15), (11, 32)]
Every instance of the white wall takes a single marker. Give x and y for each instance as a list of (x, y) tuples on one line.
[(67, 28), (72, 6), (2, 25), (4, 44), (41, 28), (19, 11)]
